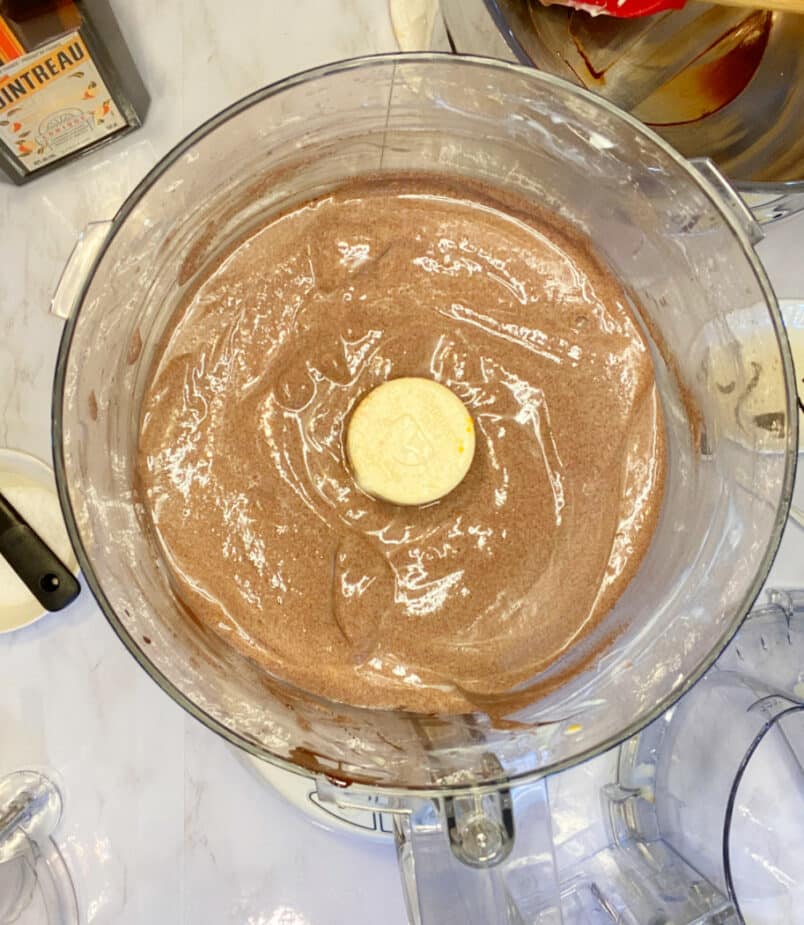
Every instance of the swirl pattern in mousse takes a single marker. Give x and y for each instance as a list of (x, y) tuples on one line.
[(245, 479)]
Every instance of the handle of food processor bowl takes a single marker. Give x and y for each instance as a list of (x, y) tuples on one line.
[(771, 202), (479, 857), (472, 857), (30, 809), (77, 268), (754, 204), (710, 172)]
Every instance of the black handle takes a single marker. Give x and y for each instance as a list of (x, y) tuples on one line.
[(44, 574)]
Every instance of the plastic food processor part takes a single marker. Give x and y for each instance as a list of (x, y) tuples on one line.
[(708, 807), (698, 819), (679, 249), (35, 884), (703, 812)]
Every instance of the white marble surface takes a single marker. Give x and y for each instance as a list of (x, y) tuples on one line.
[(163, 824)]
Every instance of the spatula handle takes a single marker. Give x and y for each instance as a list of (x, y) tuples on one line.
[(44, 574)]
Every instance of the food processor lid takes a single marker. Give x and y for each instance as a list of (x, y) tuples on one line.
[(764, 827), (36, 887)]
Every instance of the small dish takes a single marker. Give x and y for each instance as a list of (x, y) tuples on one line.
[(29, 485)]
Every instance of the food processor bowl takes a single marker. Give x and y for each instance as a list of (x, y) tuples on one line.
[(695, 283)]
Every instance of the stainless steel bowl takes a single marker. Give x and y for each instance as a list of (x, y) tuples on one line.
[(718, 82)]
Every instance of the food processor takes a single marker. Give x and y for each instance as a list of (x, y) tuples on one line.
[(467, 794)]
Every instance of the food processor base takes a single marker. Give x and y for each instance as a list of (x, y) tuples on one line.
[(300, 791)]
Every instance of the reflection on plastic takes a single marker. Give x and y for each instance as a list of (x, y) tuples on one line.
[(35, 883)]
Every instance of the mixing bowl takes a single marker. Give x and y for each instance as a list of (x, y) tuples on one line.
[(714, 81)]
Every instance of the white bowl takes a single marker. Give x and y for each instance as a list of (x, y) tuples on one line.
[(29, 485)]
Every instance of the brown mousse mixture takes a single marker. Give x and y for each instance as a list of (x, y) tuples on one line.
[(244, 473)]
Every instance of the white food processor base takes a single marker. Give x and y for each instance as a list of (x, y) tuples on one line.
[(301, 792)]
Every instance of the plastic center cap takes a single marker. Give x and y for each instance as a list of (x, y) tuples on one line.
[(410, 441)]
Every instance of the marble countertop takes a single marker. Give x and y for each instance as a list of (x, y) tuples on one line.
[(163, 823)]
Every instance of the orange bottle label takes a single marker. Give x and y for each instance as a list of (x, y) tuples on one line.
[(53, 101)]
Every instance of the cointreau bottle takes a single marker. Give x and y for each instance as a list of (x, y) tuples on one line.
[(67, 83)]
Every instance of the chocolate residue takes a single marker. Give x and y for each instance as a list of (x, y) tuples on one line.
[(134, 347), (715, 78)]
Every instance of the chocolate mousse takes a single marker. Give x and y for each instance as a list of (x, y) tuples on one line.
[(267, 536)]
